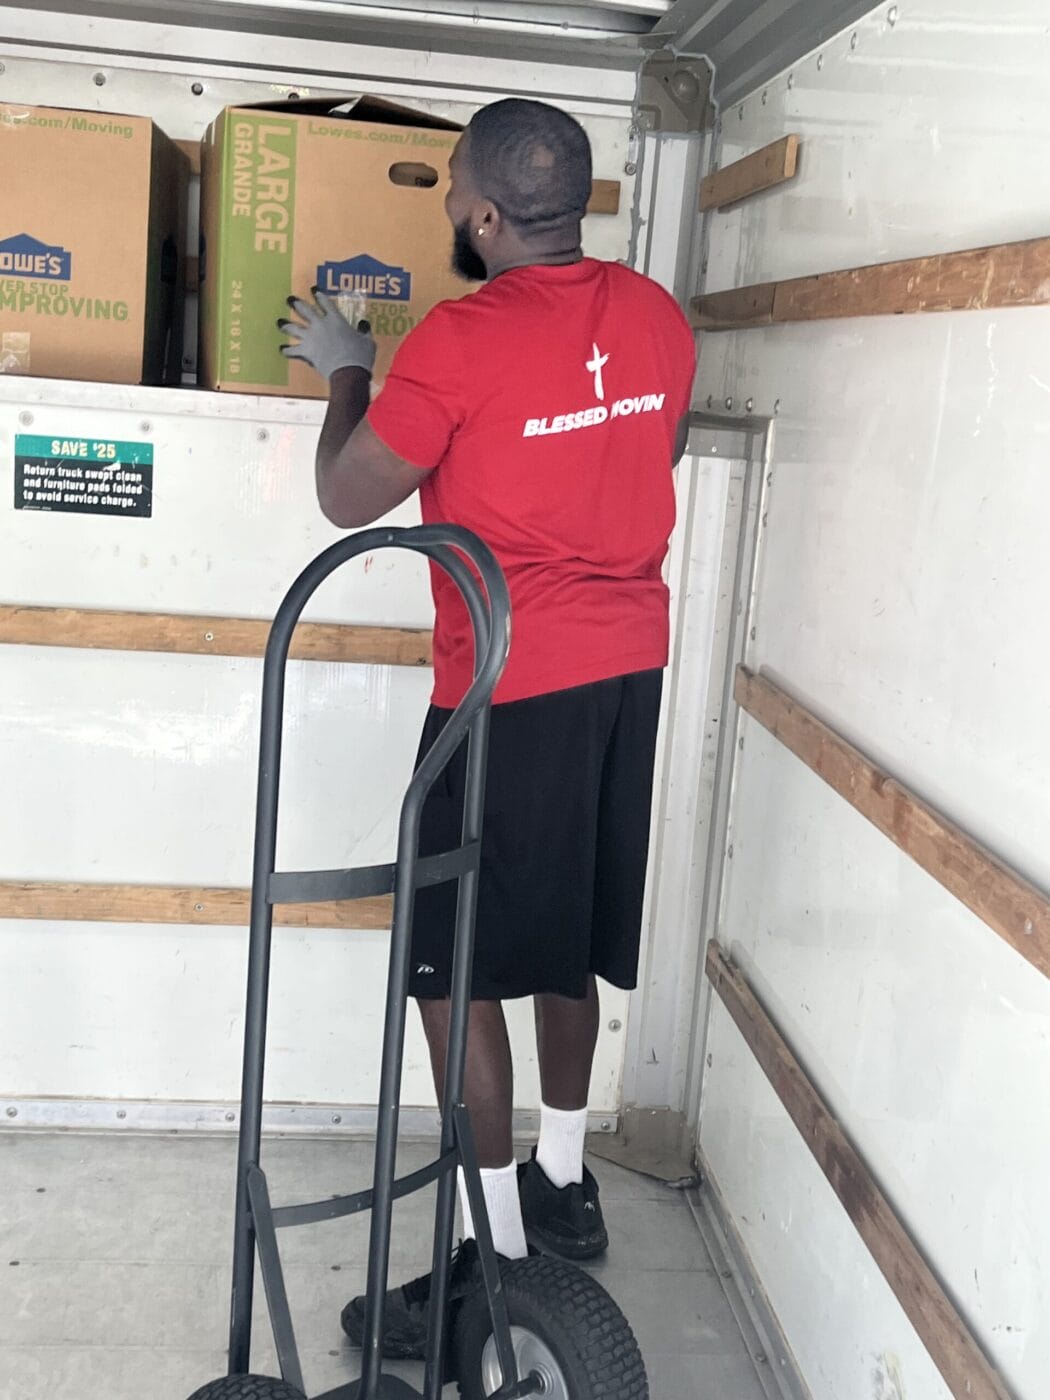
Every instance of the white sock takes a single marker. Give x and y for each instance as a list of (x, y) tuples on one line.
[(500, 1185), (560, 1149)]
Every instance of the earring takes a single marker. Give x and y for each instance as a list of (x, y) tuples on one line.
[(481, 233)]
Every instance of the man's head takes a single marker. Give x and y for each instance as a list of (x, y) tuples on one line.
[(521, 179)]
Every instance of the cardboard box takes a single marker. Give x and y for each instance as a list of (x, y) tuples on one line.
[(300, 194), (92, 221)]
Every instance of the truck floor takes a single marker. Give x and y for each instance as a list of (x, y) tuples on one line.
[(115, 1259)]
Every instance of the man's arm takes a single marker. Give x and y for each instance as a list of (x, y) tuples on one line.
[(358, 478)]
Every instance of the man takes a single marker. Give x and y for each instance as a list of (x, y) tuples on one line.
[(545, 412)]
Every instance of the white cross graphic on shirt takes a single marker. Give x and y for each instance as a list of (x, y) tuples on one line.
[(595, 367)]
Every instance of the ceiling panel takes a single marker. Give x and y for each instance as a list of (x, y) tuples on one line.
[(603, 32), (748, 41)]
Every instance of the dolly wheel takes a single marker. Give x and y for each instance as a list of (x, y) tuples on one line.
[(248, 1388), (564, 1327)]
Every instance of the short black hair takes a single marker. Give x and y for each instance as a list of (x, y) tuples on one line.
[(533, 161)]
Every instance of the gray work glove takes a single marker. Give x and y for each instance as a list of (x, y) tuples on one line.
[(325, 339)]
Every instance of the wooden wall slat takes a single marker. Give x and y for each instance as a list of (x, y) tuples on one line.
[(1007, 274), (953, 1348), (605, 197), (171, 904), (761, 170), (210, 636), (737, 308), (1015, 909)]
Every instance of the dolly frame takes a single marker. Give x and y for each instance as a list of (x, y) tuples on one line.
[(474, 569)]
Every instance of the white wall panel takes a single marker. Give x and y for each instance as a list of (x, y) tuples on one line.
[(155, 1013), (141, 768), (136, 46), (903, 595)]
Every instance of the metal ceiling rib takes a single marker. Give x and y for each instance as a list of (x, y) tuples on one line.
[(749, 41), (746, 41), (598, 32)]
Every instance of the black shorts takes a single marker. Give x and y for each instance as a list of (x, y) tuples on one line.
[(564, 847)]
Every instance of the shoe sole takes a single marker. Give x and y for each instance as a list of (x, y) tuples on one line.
[(576, 1251)]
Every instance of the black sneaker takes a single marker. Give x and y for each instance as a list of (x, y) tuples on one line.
[(565, 1220), (407, 1312)]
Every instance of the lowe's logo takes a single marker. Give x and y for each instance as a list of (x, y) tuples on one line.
[(23, 256), (366, 274)]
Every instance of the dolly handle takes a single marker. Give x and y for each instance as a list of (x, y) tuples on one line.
[(484, 591)]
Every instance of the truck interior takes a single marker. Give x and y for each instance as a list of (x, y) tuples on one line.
[(821, 1124)]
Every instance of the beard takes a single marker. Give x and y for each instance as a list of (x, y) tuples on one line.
[(466, 263)]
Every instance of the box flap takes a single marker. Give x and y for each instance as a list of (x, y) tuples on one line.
[(355, 107)]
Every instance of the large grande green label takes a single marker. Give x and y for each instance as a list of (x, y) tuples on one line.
[(257, 226)]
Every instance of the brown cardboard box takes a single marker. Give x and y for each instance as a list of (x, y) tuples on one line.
[(91, 227), (300, 194)]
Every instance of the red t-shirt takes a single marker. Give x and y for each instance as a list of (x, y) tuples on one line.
[(547, 404)]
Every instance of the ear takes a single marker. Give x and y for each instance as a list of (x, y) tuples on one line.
[(486, 221)]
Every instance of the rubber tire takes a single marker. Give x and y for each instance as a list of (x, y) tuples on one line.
[(572, 1315), (248, 1388)]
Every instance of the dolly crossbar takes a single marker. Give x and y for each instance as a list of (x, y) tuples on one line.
[(318, 886)]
